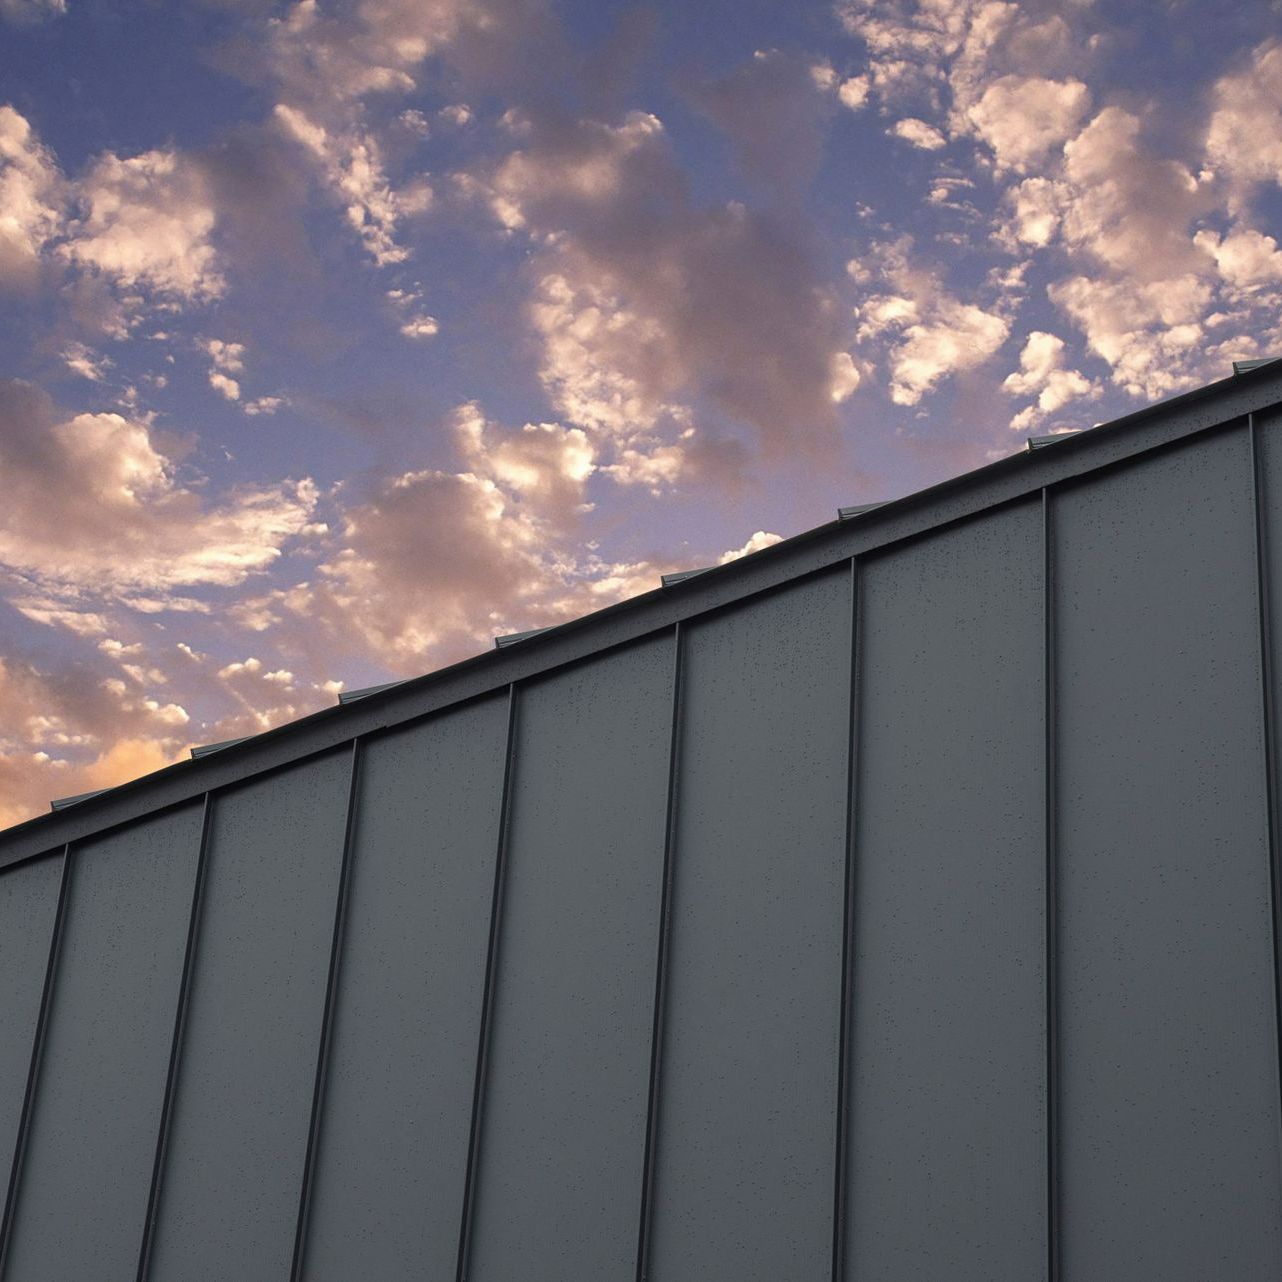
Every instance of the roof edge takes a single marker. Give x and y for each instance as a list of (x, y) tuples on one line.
[(1018, 475)]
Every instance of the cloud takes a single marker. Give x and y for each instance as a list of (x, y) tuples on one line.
[(71, 729), (1149, 332), (228, 359), (1023, 118), (32, 195), (761, 539), (931, 333), (853, 92), (1244, 131), (83, 360), (773, 109), (352, 164), (919, 134), (1042, 374), (644, 301), (1247, 259), (416, 323), (326, 66), (24, 11), (546, 465), (147, 223), (93, 505)]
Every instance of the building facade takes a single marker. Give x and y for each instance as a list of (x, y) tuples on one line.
[(900, 902)]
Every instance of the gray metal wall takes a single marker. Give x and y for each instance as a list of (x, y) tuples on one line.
[(916, 919)]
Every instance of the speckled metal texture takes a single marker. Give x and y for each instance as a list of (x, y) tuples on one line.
[(947, 1145), (1169, 1069), (901, 904), (563, 1125), (115, 994), (394, 1121)]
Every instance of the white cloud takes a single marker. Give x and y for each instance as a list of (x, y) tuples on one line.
[(931, 332), (23, 11), (1150, 333), (83, 360), (1244, 132), (93, 505), (264, 405), (1042, 374), (351, 162), (31, 197), (544, 463), (918, 133), (853, 92), (1022, 117), (1247, 259), (761, 539), (228, 359), (147, 223)]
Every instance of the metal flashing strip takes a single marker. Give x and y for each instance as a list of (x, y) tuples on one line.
[(65, 803), (845, 1022), (644, 1232), (352, 696), (670, 580), (1013, 477), (327, 1018), (1051, 927), (860, 509), (487, 995), (208, 749), (513, 638), (1268, 675), (1245, 367), (1041, 442), (176, 1045), (37, 1055)]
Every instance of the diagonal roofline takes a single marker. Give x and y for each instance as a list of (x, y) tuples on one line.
[(1008, 479)]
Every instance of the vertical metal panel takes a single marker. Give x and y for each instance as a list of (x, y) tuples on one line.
[(743, 1182), (32, 908), (1266, 459), (229, 1194), (948, 1139), (480, 1077), (97, 1107), (1169, 1103), (327, 1021), (392, 1146), (563, 1137), (28, 900)]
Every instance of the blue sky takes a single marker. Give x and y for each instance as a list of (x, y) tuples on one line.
[(336, 338)]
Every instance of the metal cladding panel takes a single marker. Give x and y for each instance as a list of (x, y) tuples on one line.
[(947, 1127), (564, 1122), (229, 1198), (748, 1078), (394, 1127), (28, 904), (1169, 1077), (85, 1181)]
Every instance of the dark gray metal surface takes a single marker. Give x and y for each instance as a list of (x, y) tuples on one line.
[(563, 1129), (947, 1138), (230, 1187), (614, 967), (28, 901), (1169, 1070), (83, 1193), (394, 1122), (747, 1082)]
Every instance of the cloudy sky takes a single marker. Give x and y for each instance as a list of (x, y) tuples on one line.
[(337, 336)]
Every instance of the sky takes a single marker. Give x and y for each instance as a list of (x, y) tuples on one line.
[(338, 338)]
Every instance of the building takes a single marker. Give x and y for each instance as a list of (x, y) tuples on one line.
[(900, 902)]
